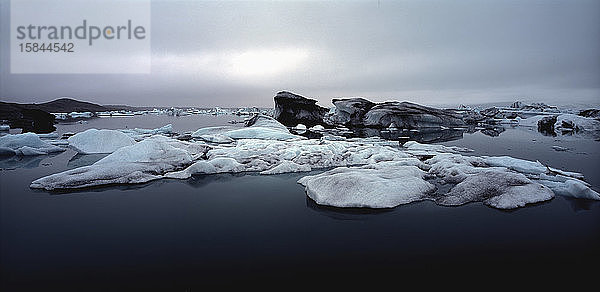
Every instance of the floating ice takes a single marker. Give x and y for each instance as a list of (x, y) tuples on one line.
[(144, 161), (564, 124), (95, 141), (386, 185), (26, 144), (317, 128), (426, 149), (95, 175), (370, 172), (286, 167), (139, 134), (572, 188), (571, 122), (498, 189), (516, 164), (215, 138), (260, 127)]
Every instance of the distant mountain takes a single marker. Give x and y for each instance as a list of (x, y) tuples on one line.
[(32, 117), (66, 105)]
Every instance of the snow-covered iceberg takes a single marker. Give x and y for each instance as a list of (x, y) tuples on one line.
[(497, 188), (142, 162), (499, 182), (93, 141), (26, 144), (381, 185)]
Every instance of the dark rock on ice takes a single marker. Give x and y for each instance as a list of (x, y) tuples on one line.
[(493, 113), (292, 109), (546, 125), (590, 113), (349, 111), (408, 115)]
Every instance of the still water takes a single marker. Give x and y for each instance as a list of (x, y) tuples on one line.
[(222, 229)]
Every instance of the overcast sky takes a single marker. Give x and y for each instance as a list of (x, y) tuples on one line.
[(208, 53)]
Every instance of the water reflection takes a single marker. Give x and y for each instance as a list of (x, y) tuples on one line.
[(344, 213), (17, 161), (580, 205), (80, 160)]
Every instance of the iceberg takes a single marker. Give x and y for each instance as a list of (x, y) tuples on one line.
[(26, 144), (142, 162), (93, 141), (571, 122), (386, 185), (157, 149), (139, 134), (498, 189), (572, 188), (105, 174), (563, 124)]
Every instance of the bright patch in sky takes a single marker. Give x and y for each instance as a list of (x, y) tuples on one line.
[(265, 62), (249, 64)]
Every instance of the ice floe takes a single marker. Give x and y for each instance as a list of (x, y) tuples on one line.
[(93, 141), (139, 134), (498, 189), (142, 162), (258, 127), (424, 149), (367, 172), (383, 185), (564, 124), (26, 144), (214, 138)]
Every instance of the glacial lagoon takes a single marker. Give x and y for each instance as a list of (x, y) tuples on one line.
[(230, 227)]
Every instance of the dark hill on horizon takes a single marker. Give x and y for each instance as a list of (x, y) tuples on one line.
[(66, 105), (37, 117), (61, 105)]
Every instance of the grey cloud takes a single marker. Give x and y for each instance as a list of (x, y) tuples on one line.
[(430, 51)]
